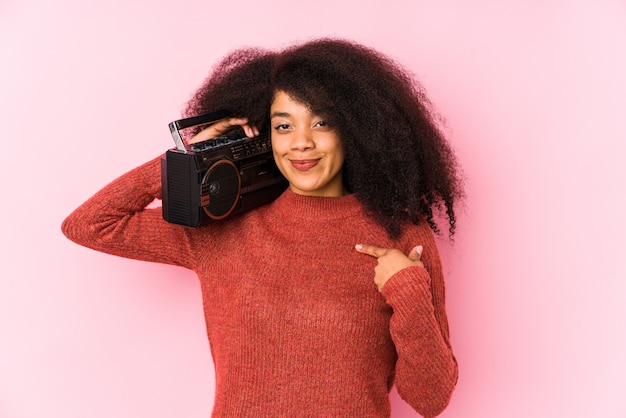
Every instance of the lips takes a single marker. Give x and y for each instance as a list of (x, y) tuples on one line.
[(304, 165)]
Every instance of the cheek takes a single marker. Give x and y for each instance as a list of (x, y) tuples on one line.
[(280, 162), (339, 155), (278, 145), (276, 152), (277, 158)]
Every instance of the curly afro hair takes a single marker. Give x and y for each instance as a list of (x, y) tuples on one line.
[(397, 161)]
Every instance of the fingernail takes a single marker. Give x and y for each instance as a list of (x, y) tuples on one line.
[(358, 246), (419, 249)]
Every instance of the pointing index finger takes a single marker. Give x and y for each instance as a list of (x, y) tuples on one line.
[(370, 250)]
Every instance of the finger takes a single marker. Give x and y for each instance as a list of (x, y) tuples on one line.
[(251, 131), (370, 250), (203, 135), (416, 253), (218, 128), (225, 125)]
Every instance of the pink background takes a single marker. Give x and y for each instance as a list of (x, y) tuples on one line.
[(533, 93)]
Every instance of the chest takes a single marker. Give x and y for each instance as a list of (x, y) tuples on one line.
[(277, 281)]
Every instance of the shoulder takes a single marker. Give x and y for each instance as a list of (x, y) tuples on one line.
[(421, 234), (416, 234)]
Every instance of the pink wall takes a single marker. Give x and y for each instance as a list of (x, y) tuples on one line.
[(533, 93)]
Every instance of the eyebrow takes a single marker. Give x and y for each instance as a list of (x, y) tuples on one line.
[(280, 114)]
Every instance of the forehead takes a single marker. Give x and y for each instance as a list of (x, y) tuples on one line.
[(285, 103)]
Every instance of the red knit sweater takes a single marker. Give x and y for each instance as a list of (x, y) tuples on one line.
[(295, 322)]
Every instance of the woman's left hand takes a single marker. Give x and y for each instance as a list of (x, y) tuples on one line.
[(390, 261)]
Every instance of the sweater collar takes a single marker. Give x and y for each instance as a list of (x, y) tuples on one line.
[(318, 207)]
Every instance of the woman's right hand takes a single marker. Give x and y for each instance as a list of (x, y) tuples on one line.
[(223, 126)]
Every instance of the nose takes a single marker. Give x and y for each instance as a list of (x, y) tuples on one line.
[(302, 140)]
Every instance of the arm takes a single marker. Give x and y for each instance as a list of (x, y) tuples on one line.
[(413, 285), (426, 370), (115, 221)]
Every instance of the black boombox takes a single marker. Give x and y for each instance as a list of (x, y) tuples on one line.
[(217, 177)]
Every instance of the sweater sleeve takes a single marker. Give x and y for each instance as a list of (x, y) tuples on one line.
[(426, 369), (116, 221)]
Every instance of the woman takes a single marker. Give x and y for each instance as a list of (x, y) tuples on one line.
[(317, 303)]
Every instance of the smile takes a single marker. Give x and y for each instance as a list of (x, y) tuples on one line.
[(304, 165)]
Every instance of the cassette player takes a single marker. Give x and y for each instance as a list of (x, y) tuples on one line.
[(219, 177)]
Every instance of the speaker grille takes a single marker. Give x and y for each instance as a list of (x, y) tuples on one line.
[(181, 191), (221, 185)]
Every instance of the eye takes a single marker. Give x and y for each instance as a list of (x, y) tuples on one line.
[(282, 127), (322, 126)]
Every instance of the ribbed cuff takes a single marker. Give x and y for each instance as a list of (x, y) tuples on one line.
[(408, 291)]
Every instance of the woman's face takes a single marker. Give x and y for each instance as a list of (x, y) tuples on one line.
[(306, 149)]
